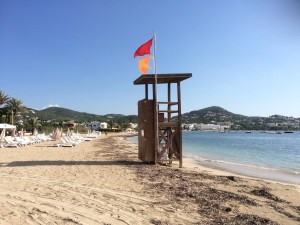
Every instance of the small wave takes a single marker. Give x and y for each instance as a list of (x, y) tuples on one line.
[(245, 165), (201, 159)]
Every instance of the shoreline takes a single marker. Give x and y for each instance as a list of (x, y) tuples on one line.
[(217, 169), (241, 170), (245, 171)]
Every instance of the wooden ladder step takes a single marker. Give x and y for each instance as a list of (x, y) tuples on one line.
[(168, 111), (168, 103)]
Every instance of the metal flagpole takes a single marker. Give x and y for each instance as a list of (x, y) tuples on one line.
[(155, 101)]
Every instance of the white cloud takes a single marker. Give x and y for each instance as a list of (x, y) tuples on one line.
[(50, 105)]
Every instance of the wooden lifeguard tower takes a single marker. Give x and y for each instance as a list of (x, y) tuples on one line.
[(159, 122)]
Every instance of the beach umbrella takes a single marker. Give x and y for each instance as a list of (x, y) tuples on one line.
[(13, 134), (68, 132), (56, 134), (22, 133), (2, 135), (35, 132), (6, 126)]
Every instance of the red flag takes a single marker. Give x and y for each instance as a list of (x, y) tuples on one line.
[(143, 49)]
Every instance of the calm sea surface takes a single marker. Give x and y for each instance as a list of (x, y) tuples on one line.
[(264, 155)]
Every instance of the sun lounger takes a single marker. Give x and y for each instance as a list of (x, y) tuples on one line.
[(21, 141), (67, 140), (29, 140), (34, 138), (65, 143), (75, 139), (79, 137), (10, 142), (43, 137)]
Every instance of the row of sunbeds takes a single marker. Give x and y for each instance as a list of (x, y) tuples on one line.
[(9, 141), (76, 139), (64, 141)]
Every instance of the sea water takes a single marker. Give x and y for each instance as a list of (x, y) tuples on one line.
[(257, 154), (264, 155)]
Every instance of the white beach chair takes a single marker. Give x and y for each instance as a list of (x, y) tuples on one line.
[(65, 143), (69, 140), (79, 137), (20, 141), (34, 138), (76, 139), (43, 137), (10, 142), (30, 141)]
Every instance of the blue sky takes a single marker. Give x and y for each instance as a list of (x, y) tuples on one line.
[(244, 55)]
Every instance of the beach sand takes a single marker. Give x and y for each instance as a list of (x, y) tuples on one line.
[(103, 182)]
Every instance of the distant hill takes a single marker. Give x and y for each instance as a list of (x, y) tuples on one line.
[(213, 114), (59, 113), (63, 114), (209, 114)]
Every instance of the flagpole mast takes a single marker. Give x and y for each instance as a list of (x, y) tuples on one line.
[(155, 101)]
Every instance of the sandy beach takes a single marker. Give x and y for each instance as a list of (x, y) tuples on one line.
[(103, 182)]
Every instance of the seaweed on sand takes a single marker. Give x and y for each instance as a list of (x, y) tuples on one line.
[(265, 192), (184, 187)]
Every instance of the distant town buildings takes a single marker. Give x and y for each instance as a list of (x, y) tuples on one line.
[(96, 125), (208, 127), (70, 124)]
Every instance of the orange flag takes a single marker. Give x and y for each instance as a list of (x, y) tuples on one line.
[(143, 64)]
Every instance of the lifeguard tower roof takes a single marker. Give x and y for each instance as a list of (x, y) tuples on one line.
[(162, 78)]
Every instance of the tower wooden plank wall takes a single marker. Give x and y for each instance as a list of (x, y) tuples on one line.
[(159, 133)]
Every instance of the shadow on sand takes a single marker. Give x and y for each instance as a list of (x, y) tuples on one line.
[(70, 163)]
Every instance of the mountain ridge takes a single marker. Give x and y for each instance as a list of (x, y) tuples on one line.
[(218, 115), (64, 114), (208, 115)]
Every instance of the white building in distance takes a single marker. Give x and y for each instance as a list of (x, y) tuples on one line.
[(96, 125)]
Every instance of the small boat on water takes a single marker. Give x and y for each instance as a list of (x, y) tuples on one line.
[(288, 132), (248, 131)]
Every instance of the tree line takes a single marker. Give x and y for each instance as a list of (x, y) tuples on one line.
[(12, 111), (11, 107)]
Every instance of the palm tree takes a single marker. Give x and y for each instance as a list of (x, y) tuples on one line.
[(34, 122), (4, 98), (14, 106)]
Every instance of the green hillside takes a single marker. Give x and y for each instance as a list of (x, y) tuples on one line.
[(63, 114), (218, 115), (209, 114)]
